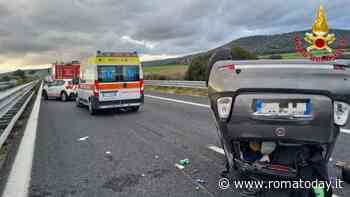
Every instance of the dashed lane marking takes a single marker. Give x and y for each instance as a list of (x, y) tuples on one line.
[(177, 101)]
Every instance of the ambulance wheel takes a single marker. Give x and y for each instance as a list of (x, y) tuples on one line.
[(135, 108), (77, 102), (91, 108), (64, 96), (46, 97)]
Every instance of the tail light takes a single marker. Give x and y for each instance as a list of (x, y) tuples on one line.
[(224, 107), (142, 84), (69, 86), (339, 67), (227, 67), (96, 88), (341, 113)]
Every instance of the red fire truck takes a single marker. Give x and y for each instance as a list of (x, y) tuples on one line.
[(69, 70)]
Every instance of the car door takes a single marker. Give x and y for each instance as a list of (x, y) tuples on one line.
[(50, 88), (58, 87)]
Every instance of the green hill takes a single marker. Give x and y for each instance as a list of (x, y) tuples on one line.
[(262, 45)]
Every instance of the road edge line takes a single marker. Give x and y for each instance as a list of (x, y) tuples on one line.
[(18, 181), (177, 101)]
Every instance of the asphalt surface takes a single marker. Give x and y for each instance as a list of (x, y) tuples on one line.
[(133, 154)]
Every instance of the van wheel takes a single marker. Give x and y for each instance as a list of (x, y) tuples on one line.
[(135, 108), (77, 102), (91, 108), (46, 97), (64, 96)]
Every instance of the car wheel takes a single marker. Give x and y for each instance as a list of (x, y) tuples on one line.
[(219, 55), (77, 102), (64, 96), (91, 108), (46, 97)]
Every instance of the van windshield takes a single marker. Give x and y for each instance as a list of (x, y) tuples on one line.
[(118, 73)]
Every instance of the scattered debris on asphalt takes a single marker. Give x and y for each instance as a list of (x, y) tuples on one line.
[(83, 138), (180, 167), (201, 181), (184, 162)]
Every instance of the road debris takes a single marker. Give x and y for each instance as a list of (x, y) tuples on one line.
[(83, 138), (201, 181), (180, 167), (184, 162)]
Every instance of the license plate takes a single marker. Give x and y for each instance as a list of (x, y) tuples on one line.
[(110, 94), (283, 107)]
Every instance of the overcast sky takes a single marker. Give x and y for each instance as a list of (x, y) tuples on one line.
[(38, 32)]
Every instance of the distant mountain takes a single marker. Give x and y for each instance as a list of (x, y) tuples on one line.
[(260, 44)]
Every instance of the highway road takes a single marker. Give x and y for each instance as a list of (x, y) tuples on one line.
[(118, 153)]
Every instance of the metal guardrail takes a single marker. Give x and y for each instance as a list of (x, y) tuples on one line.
[(182, 84), (12, 104), (7, 84)]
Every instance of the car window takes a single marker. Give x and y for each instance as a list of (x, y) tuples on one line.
[(59, 83)]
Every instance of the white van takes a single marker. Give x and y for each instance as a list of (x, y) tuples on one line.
[(111, 80)]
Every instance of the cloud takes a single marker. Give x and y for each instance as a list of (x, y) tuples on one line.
[(35, 32)]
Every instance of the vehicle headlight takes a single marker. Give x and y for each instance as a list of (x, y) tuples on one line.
[(341, 112), (224, 107)]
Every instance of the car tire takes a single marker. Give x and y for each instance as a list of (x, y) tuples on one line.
[(92, 111), (77, 102), (64, 97), (46, 97), (219, 55), (135, 108)]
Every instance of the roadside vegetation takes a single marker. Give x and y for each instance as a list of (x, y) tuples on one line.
[(165, 72), (19, 75), (176, 90), (198, 68)]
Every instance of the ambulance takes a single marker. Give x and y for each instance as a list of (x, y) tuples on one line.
[(111, 80)]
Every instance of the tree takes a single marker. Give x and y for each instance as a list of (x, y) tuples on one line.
[(238, 53), (6, 78), (198, 69), (20, 73)]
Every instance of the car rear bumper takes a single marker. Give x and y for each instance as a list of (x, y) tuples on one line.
[(117, 103)]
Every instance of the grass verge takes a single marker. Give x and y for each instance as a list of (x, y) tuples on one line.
[(176, 90)]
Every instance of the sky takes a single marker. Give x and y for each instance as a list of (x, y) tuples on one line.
[(35, 33)]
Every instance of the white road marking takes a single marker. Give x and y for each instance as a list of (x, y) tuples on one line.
[(19, 178), (217, 149), (347, 131), (177, 101), (83, 138)]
